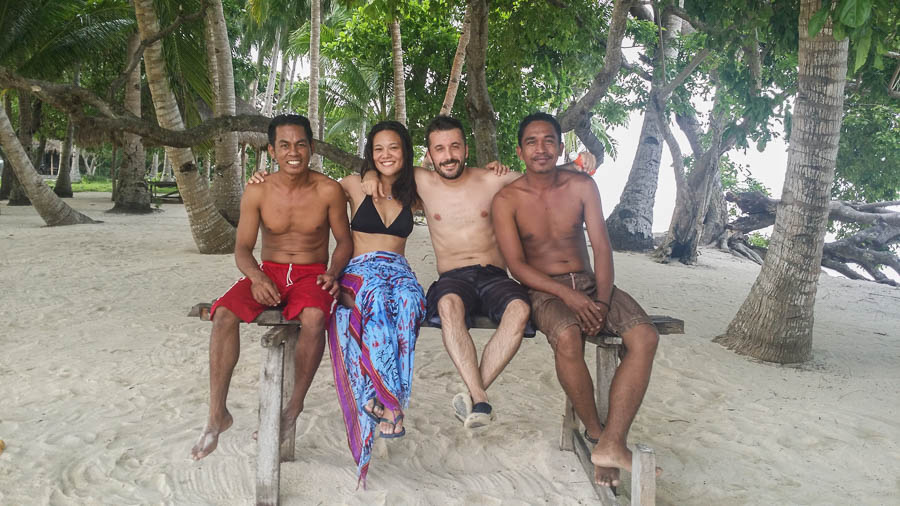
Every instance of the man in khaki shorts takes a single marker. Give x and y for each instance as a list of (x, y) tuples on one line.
[(539, 222)]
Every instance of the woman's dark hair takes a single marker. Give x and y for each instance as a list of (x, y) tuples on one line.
[(405, 185)]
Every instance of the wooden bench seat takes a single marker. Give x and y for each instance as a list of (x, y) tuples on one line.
[(277, 383), (164, 190)]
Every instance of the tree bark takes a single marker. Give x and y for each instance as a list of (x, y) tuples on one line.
[(211, 232), (227, 181), (630, 224), (262, 157), (64, 177), (478, 99), (52, 209), (775, 322), (27, 126), (459, 59), (132, 194), (399, 74), (315, 28)]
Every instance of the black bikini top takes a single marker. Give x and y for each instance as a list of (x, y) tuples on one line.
[(367, 220)]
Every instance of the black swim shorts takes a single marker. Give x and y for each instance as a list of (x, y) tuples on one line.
[(484, 289)]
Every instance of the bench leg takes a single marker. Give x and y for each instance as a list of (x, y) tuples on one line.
[(569, 426), (643, 476), (290, 344), (268, 462), (607, 361)]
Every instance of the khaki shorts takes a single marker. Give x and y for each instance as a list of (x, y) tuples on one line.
[(551, 315)]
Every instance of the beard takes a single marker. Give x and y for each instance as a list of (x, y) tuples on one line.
[(460, 166)]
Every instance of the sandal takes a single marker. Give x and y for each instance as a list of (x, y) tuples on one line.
[(392, 434)]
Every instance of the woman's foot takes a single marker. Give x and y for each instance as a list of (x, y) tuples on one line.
[(389, 428), (374, 409)]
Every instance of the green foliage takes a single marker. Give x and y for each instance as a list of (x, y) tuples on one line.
[(871, 26), (868, 163), (89, 184), (736, 178), (758, 240)]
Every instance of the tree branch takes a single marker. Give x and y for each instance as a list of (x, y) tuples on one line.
[(682, 76), (580, 110)]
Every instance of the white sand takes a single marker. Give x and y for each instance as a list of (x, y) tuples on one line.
[(103, 389)]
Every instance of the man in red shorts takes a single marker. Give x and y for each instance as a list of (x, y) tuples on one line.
[(295, 208)]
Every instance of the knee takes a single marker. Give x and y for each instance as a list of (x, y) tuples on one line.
[(518, 311), (569, 344), (451, 306), (224, 318), (642, 340), (312, 318)]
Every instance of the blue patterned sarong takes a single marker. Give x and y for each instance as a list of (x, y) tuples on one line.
[(372, 344)]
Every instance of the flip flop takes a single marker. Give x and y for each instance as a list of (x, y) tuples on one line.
[(482, 414), (462, 405), (371, 414), (393, 423)]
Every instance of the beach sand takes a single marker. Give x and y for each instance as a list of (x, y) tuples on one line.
[(104, 389)]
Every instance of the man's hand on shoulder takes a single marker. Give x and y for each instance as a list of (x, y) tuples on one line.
[(497, 168), (258, 177)]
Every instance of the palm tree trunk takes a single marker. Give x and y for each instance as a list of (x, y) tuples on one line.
[(399, 74), (64, 177), (8, 174), (262, 156), (132, 194), (315, 28), (456, 69), (27, 127), (227, 179), (478, 100), (51, 208), (775, 322), (211, 232)]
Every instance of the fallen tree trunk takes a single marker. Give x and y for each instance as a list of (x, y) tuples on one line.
[(869, 248)]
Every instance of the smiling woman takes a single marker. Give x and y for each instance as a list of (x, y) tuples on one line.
[(373, 334)]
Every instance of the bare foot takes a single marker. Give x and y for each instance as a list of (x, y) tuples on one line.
[(209, 438), (608, 458)]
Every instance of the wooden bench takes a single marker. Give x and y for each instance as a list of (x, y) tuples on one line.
[(163, 190), (277, 383)]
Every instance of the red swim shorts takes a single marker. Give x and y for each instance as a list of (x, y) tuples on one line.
[(296, 284)]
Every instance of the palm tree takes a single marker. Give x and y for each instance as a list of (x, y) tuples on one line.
[(315, 29), (132, 194), (43, 39), (211, 232), (227, 178), (775, 322), (51, 208)]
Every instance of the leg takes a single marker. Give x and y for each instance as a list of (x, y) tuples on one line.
[(224, 350), (505, 342), (574, 377), (459, 345), (626, 393), (307, 356)]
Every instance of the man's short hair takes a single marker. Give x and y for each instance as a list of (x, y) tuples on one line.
[(289, 119), (540, 116), (443, 123)]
